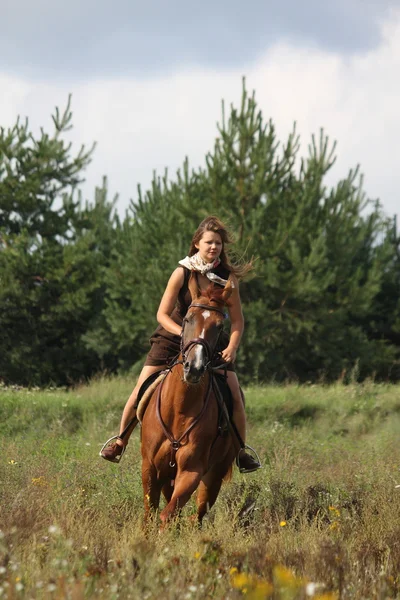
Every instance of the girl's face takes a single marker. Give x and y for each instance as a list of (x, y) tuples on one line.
[(209, 246)]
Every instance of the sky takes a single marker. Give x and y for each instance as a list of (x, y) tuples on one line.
[(147, 80)]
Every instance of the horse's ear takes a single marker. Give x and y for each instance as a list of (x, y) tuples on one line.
[(193, 286), (227, 291)]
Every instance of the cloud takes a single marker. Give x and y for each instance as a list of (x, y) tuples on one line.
[(153, 123), (130, 37)]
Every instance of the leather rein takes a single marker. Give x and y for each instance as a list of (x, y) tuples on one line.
[(177, 443)]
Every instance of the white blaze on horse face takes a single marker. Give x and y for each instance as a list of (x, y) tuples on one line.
[(198, 353)]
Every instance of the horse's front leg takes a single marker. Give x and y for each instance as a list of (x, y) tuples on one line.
[(151, 488), (209, 488), (186, 483)]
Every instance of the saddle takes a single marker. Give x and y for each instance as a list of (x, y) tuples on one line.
[(153, 381), (146, 391)]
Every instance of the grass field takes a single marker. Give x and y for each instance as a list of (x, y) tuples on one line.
[(321, 520)]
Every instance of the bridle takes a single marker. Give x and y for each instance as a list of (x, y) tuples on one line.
[(200, 341)]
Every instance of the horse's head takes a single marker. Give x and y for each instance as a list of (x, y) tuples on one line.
[(202, 328)]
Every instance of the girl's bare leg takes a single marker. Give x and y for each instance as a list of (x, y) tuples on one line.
[(129, 411), (114, 451)]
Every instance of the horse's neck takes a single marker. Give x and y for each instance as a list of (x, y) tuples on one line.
[(185, 393)]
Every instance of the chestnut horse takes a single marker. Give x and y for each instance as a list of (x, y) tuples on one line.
[(181, 448)]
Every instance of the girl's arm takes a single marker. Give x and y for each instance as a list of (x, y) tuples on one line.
[(168, 302), (237, 323)]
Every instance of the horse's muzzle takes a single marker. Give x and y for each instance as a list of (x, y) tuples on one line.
[(192, 374)]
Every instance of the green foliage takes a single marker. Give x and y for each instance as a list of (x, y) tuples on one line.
[(322, 255), (34, 173), (52, 257), (80, 290)]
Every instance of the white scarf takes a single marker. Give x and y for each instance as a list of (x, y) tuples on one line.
[(196, 263)]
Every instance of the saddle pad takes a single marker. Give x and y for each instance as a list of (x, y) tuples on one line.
[(147, 393), (146, 383)]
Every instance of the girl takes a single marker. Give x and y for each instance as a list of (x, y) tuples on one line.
[(209, 260)]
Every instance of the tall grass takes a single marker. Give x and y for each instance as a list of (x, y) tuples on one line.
[(320, 520)]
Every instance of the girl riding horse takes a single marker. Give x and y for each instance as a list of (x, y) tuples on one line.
[(209, 261)]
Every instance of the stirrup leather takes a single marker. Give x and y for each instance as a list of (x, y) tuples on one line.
[(118, 457), (252, 453)]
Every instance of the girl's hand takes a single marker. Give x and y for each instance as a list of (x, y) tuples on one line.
[(229, 354)]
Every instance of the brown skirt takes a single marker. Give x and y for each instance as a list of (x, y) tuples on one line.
[(165, 350)]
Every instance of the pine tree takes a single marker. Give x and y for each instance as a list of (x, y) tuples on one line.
[(52, 253), (320, 260), (321, 253), (79, 290), (34, 173)]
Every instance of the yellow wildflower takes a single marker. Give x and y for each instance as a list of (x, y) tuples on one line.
[(283, 523), (240, 580), (197, 555), (286, 578), (262, 590), (254, 587), (335, 511), (39, 481)]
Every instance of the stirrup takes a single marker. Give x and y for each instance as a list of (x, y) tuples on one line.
[(117, 459), (253, 454)]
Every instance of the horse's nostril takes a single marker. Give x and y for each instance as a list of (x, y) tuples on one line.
[(186, 365)]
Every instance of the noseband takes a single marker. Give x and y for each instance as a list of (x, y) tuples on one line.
[(200, 341)]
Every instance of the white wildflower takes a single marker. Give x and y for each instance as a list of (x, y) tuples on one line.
[(311, 588), (54, 529)]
